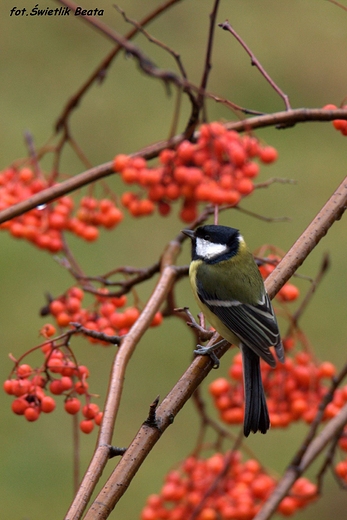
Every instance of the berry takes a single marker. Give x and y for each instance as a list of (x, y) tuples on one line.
[(87, 426), (47, 404), (72, 405), (90, 411), (19, 406), (31, 413), (24, 371)]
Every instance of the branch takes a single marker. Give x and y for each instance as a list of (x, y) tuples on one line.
[(278, 119), (114, 393), (227, 27)]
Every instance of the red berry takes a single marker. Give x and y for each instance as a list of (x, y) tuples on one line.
[(120, 162), (87, 426), (47, 330), (63, 319), (31, 413), (98, 418), (8, 386), (47, 404), (157, 320), (72, 405), (24, 370), (288, 293), (268, 154), (19, 406), (90, 411), (56, 387), (218, 387)]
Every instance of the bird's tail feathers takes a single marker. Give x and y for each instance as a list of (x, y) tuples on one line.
[(256, 412)]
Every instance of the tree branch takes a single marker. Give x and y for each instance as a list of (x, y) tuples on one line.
[(122, 358), (291, 117), (227, 27)]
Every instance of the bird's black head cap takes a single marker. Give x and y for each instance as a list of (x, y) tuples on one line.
[(226, 237)]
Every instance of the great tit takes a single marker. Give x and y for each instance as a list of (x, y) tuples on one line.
[(229, 289)]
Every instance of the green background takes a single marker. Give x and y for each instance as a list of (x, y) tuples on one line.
[(303, 46)]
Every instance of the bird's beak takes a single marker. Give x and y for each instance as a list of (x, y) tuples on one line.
[(189, 233)]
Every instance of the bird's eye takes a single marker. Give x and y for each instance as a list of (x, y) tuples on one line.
[(207, 237)]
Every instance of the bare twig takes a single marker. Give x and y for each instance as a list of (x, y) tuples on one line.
[(338, 4), (101, 336), (313, 287), (194, 118), (227, 27), (100, 72)]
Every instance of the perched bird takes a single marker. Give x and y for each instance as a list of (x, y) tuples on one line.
[(229, 289)]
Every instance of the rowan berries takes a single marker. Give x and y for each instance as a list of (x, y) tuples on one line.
[(293, 391), (43, 226), (218, 168), (225, 487)]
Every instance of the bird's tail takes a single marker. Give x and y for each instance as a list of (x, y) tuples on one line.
[(256, 412)]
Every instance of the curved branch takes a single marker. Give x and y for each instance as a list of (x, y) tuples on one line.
[(114, 392)]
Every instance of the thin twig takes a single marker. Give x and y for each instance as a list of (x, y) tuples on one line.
[(194, 118), (100, 72), (313, 287), (227, 27), (338, 4)]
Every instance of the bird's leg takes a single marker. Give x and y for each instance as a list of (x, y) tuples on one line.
[(204, 334)]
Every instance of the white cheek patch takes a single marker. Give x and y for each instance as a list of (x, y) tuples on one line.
[(206, 249)]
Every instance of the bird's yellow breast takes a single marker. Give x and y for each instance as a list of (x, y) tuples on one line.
[(211, 317)]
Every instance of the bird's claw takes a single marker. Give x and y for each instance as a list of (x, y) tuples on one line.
[(205, 351)]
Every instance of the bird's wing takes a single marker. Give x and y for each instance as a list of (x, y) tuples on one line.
[(255, 325)]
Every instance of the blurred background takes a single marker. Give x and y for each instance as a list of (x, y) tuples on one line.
[(44, 60)]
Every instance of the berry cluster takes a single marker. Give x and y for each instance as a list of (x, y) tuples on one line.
[(221, 487), (338, 124), (104, 315), (218, 169), (293, 391), (59, 375), (43, 226)]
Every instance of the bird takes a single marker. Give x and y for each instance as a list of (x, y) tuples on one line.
[(230, 291)]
